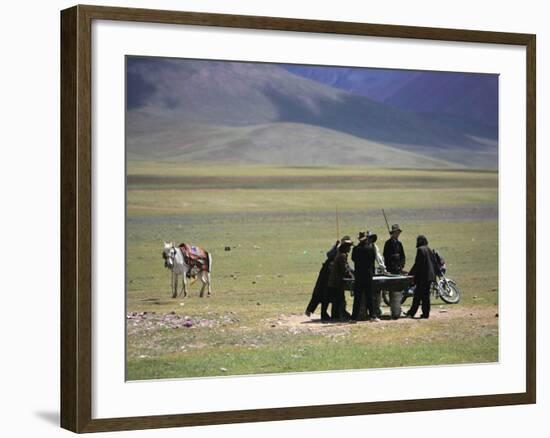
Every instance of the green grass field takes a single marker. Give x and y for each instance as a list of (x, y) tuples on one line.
[(279, 222)]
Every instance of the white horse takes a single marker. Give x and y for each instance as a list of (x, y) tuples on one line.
[(174, 260)]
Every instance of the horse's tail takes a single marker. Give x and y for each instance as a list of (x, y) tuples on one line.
[(209, 262)]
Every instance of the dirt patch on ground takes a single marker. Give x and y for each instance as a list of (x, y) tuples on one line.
[(146, 321), (298, 323)]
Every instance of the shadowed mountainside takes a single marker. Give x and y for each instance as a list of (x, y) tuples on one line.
[(472, 97)]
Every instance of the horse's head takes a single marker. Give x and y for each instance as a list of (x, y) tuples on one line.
[(169, 254)]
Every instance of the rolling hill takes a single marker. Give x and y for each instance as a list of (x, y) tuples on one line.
[(295, 144)]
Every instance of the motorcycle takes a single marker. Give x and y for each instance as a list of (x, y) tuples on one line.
[(443, 288)]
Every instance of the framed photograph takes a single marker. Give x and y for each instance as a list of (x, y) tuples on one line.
[(271, 218)]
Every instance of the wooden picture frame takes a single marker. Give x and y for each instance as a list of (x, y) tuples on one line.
[(76, 217)]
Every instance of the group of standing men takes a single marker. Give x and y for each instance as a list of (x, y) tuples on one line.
[(336, 272)]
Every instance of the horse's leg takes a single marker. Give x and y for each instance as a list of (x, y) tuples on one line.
[(175, 286), (201, 294), (209, 283), (184, 286)]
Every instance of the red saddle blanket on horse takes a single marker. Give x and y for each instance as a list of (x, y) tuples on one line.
[(195, 257)]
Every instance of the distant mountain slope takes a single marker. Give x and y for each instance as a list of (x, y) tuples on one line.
[(177, 105), (471, 96), (377, 84), (468, 95), (219, 93)]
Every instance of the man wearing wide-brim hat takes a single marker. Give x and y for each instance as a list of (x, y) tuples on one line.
[(363, 256), (394, 254), (346, 240), (339, 271), (320, 293)]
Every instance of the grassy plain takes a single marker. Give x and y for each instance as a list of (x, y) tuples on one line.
[(279, 222)]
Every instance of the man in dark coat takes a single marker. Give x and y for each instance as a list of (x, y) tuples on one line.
[(394, 254), (423, 271), (364, 256), (320, 292), (339, 271)]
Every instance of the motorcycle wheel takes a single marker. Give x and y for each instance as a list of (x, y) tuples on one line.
[(449, 293)]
